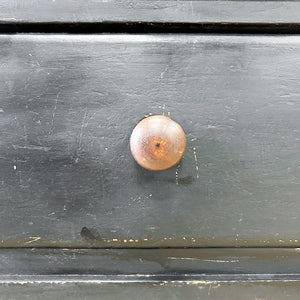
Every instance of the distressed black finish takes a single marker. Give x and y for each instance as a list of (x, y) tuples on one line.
[(150, 291), (149, 265), (69, 104), (149, 11), (149, 273)]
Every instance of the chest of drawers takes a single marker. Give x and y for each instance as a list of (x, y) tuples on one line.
[(76, 208)]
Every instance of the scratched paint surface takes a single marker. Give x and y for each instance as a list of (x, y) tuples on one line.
[(230, 264), (149, 11), (68, 105), (164, 290)]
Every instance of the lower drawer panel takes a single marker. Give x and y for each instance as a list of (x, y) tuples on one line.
[(149, 291), (68, 104)]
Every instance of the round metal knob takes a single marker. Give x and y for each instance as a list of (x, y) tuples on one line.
[(157, 143)]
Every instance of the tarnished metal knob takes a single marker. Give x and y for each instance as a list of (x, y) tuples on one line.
[(157, 143)]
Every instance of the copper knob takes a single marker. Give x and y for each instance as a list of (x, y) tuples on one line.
[(157, 143)]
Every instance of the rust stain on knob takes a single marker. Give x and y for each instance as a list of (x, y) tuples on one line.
[(157, 143)]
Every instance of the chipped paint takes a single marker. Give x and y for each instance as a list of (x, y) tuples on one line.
[(163, 109), (176, 174), (34, 239), (184, 258), (196, 162)]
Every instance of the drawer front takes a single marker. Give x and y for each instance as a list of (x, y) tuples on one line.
[(68, 104), (154, 11), (149, 291)]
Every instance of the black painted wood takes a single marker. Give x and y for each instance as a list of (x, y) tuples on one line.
[(69, 103), (150, 291), (150, 11), (149, 265), (150, 273)]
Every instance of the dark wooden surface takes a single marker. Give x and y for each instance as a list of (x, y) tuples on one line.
[(150, 265), (149, 273), (149, 291), (69, 104), (149, 11)]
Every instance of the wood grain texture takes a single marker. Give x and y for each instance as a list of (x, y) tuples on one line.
[(149, 11), (69, 104)]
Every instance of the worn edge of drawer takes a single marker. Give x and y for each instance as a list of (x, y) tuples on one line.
[(148, 265)]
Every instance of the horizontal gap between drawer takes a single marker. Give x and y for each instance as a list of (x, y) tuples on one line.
[(31, 246), (149, 27), (87, 247)]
